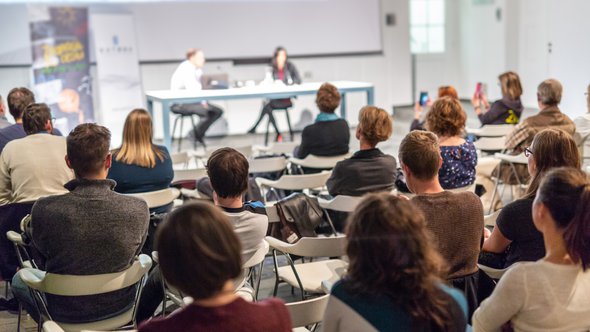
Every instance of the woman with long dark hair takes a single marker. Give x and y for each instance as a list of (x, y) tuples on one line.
[(394, 280), (550, 294)]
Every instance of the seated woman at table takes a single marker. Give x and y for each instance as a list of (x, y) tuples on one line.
[(447, 120), (515, 238), (285, 71), (329, 135), (395, 277), (139, 165), (550, 294)]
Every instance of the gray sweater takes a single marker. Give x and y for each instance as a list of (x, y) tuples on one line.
[(90, 230)]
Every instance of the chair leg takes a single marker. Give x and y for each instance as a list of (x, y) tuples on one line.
[(20, 312), (195, 138), (258, 278), (181, 136), (296, 276), (276, 265), (267, 132), (174, 130), (289, 123)]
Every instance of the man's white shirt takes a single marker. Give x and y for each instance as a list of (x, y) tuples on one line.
[(186, 77)]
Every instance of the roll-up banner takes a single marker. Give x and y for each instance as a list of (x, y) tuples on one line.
[(119, 80)]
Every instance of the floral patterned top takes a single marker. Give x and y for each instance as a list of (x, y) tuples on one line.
[(458, 167)]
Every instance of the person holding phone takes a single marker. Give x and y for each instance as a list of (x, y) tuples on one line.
[(504, 111), (443, 91)]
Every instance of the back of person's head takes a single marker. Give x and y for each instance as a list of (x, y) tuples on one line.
[(549, 92), (420, 152), (447, 91), (137, 147), (566, 194), (18, 99), (390, 254), (510, 85), (375, 125), (228, 172), (551, 148), (446, 117), (198, 250), (35, 118), (88, 149), (327, 98), (191, 52)]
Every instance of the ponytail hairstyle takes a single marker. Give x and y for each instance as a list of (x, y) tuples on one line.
[(390, 255), (565, 191)]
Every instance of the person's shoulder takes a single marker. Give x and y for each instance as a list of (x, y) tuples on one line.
[(518, 206), (128, 201), (163, 149)]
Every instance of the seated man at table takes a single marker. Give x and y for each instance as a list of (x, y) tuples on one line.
[(187, 76)]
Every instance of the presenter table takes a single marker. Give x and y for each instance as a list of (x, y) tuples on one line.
[(271, 91)]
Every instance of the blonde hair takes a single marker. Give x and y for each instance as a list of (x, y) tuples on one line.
[(375, 124), (137, 147), (510, 83)]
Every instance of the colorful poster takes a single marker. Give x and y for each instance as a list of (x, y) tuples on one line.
[(59, 42)]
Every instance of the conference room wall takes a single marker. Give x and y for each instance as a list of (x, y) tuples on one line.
[(390, 72)]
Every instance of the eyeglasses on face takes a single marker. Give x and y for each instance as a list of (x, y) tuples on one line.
[(528, 152)]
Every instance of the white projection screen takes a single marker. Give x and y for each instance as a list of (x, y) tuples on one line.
[(224, 29)]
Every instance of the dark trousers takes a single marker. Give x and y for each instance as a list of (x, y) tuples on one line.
[(267, 111), (207, 113)]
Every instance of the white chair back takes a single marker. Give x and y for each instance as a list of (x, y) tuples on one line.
[(498, 130), (277, 148), (312, 161), (518, 159), (296, 182), (308, 312), (495, 273), (341, 203), (321, 246), (180, 158), (490, 219), (267, 165), (490, 144), (159, 197), (79, 285), (189, 174), (258, 256), (245, 150)]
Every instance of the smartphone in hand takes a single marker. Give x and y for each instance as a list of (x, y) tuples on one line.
[(478, 89), (423, 98)]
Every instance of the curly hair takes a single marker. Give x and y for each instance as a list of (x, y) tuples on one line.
[(390, 254), (327, 98), (375, 124), (447, 91), (446, 117)]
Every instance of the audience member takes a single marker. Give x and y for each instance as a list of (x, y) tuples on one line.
[(515, 234), (330, 134), (284, 71), (443, 91), (446, 119), (368, 169), (139, 165), (90, 230), (33, 166), (504, 111), (454, 218), (393, 282), (548, 96), (187, 76), (3, 120), (583, 124), (228, 174), (199, 254), (550, 294)]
